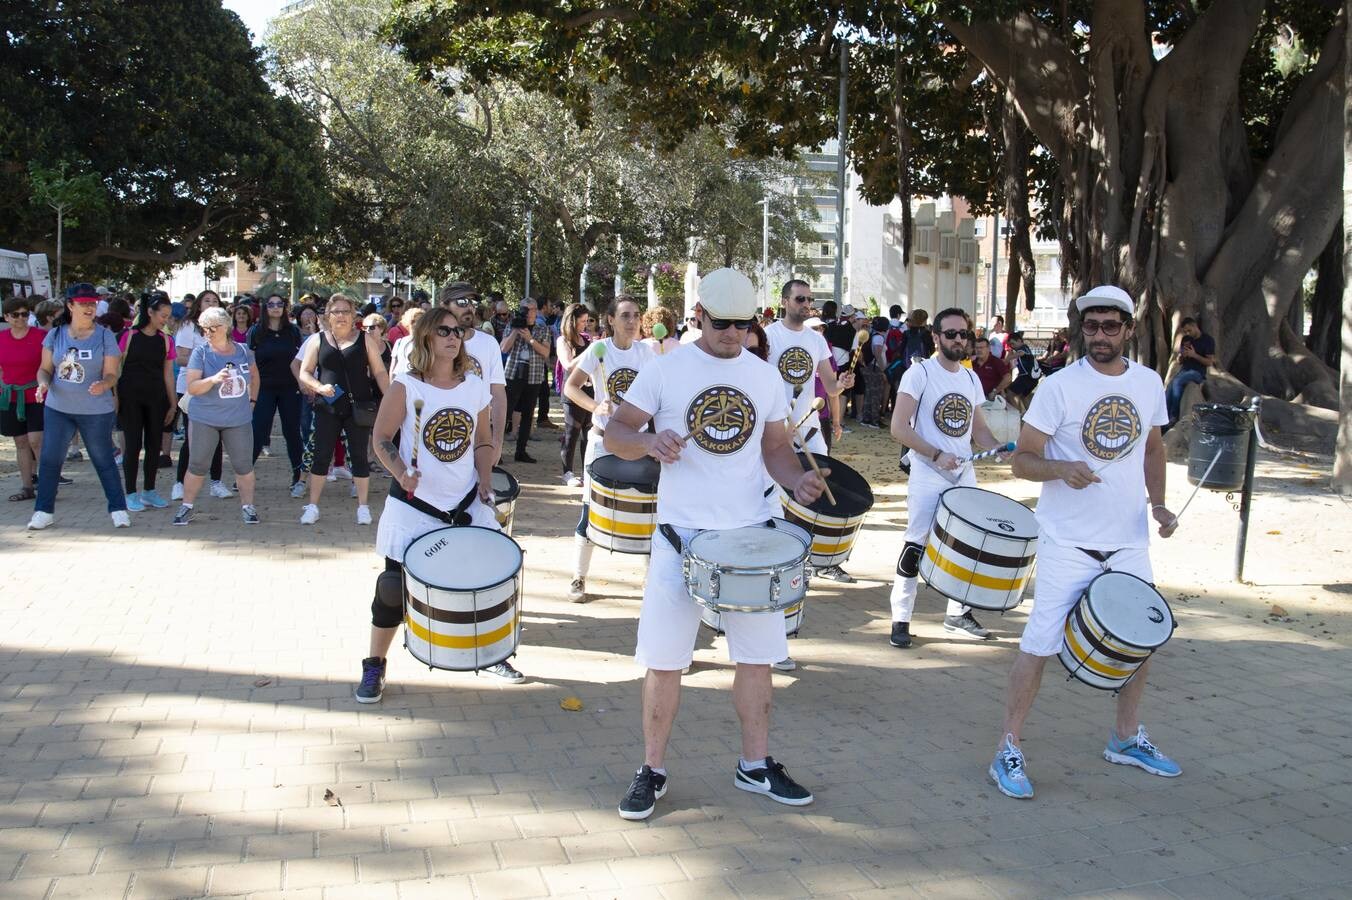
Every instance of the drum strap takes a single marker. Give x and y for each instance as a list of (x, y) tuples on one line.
[(1101, 555), (457, 516), (675, 539)]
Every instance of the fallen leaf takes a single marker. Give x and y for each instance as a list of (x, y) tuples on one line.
[(263, 682), (1274, 532), (572, 704), (1278, 611), (331, 798)]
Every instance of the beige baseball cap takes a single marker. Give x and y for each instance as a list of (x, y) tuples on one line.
[(728, 294)]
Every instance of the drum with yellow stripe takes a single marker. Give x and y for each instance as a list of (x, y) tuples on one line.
[(834, 527), (462, 598), (622, 503), (505, 491), (1118, 622), (981, 548)]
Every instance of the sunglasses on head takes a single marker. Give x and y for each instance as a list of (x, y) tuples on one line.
[(1094, 326), (954, 334), (725, 324), (448, 330)]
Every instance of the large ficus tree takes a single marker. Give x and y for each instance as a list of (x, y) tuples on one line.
[(1169, 148)]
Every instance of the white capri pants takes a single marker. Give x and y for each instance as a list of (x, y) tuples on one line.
[(1062, 575), (922, 500)]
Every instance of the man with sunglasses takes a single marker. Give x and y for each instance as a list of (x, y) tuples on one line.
[(937, 417), (801, 354), (719, 417), (1092, 437), (485, 355)]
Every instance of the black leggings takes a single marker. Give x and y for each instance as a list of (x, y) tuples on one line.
[(216, 460), (521, 398), (576, 422), (142, 421), (327, 426)]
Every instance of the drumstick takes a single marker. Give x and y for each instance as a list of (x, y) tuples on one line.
[(699, 425), (859, 340), (816, 407), (660, 332), (600, 368), (417, 437), (1201, 481), (987, 454), (817, 404)]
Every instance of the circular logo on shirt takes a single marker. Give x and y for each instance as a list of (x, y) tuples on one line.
[(795, 366), (1110, 426), (721, 419), (474, 366), (953, 414), (618, 384), (447, 434), (70, 370)]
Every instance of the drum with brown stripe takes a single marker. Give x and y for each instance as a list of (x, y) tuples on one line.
[(505, 491), (1117, 624), (462, 598), (622, 503), (981, 549), (833, 527)]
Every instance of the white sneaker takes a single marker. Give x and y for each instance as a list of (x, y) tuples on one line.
[(330, 476), (363, 515), (568, 477), (786, 664), (220, 491), (177, 492), (121, 519), (340, 472), (573, 480), (309, 515), (298, 489), (40, 521), (266, 451)]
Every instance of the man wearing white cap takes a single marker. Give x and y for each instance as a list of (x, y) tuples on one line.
[(1092, 437), (733, 407)]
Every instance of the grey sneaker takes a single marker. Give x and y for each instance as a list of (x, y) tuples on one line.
[(787, 664), (966, 626), (184, 515), (836, 573), (577, 591), (506, 671), (249, 515)]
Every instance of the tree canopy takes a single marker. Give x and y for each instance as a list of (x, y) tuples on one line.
[(166, 105)]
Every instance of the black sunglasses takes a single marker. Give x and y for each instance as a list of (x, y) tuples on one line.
[(725, 324), (807, 298), (276, 304), (954, 334), (464, 302), (448, 330), (1093, 326)]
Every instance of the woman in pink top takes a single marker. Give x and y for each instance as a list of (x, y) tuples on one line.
[(242, 319), (20, 413)]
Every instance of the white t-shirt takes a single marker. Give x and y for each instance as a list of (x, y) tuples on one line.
[(620, 367), (186, 338), (946, 404), (719, 480), (305, 344), (691, 335), (1094, 418), (399, 356), (796, 354)]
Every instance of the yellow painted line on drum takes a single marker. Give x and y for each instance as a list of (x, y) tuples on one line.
[(824, 547), (628, 494), (455, 642), (615, 526), (1093, 665), (974, 578)]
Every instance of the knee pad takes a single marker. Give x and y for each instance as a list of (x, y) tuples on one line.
[(908, 564), (387, 609)]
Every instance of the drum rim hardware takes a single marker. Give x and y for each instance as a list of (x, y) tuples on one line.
[(955, 514), (521, 551)]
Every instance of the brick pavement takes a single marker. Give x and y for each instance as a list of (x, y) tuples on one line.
[(175, 705)]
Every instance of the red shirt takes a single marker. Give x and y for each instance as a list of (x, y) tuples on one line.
[(19, 360), (396, 333), (990, 372)]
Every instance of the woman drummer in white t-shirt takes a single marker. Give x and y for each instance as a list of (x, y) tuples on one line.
[(452, 433)]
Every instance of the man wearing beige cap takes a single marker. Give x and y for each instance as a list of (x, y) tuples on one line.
[(718, 414), (1092, 437)]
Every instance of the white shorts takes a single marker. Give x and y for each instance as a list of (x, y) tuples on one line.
[(669, 621), (1062, 575)]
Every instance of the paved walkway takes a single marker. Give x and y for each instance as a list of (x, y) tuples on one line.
[(176, 720)]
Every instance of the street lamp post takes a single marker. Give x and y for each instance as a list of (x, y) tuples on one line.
[(765, 251), (842, 133), (529, 221)]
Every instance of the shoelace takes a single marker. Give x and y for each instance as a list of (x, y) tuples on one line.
[(1143, 742), (370, 677), (1012, 760)]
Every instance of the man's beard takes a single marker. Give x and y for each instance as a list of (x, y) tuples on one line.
[(465, 319), (953, 354), (795, 318), (1103, 353)]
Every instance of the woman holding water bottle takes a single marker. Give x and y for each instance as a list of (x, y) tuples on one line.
[(222, 383)]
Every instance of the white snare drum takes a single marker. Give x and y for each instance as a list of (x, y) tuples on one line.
[(981, 548), (793, 619), (1119, 621), (462, 598), (505, 491), (753, 569)]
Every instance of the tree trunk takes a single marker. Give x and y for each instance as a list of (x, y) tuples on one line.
[(1022, 271), (1342, 461), (1326, 307)]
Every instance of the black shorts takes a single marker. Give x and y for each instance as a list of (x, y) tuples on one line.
[(10, 426), (1023, 385)]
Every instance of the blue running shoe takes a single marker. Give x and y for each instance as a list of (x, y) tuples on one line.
[(1007, 771), (1139, 752), (153, 498), (134, 503)]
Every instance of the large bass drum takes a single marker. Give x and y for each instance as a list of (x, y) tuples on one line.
[(981, 549), (833, 527), (622, 503), (1119, 621), (462, 598)]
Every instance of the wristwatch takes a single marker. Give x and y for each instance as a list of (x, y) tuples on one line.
[(937, 453)]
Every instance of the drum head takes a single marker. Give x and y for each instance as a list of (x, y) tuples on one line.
[(470, 558), (612, 471), (801, 533), (854, 497), (505, 486), (748, 548), (991, 512), (1131, 610)]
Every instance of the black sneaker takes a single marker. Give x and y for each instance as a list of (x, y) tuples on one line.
[(773, 782), (372, 681), (184, 515), (966, 626), (901, 634), (506, 671), (646, 789), (524, 458), (63, 480), (166, 461)]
